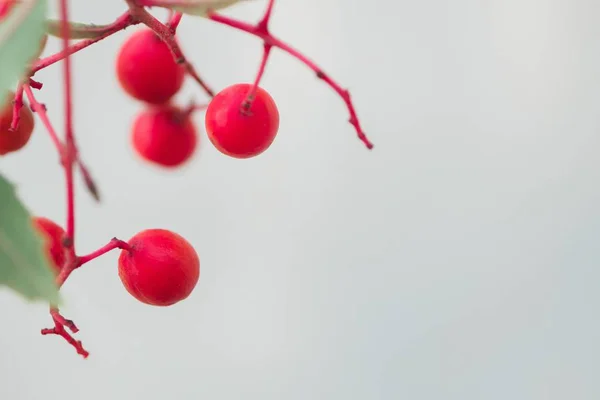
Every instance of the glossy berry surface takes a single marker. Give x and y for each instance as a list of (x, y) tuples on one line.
[(164, 135), (53, 235), (5, 7), (14, 141), (238, 133), (160, 269), (147, 70)]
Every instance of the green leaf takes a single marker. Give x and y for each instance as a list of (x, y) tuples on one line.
[(24, 265), (77, 30), (195, 7), (21, 32)]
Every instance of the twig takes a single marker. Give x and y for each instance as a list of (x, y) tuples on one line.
[(261, 30)]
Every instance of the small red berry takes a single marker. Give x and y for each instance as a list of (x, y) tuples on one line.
[(53, 236), (5, 7), (239, 133), (164, 135), (147, 70), (12, 141), (161, 268)]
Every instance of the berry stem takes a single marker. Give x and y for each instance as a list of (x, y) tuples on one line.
[(189, 110), (112, 245), (18, 105), (35, 84), (174, 21), (264, 22), (160, 29), (56, 316), (261, 71), (70, 150), (123, 22), (261, 31), (40, 110), (59, 330)]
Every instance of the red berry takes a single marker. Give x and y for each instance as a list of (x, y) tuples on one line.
[(147, 70), (5, 7), (160, 269), (53, 236), (13, 141), (239, 133), (164, 135)]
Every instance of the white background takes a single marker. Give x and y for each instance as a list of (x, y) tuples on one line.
[(457, 260)]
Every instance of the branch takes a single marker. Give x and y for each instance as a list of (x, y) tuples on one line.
[(40, 110), (70, 149), (17, 106), (59, 330), (261, 71), (112, 245), (174, 22), (123, 22), (261, 30)]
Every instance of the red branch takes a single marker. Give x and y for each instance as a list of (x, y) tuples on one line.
[(70, 150), (113, 244), (174, 22), (261, 30), (123, 22), (17, 106), (40, 110)]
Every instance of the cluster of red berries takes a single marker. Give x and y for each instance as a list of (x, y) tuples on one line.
[(163, 133), (160, 267), (156, 266)]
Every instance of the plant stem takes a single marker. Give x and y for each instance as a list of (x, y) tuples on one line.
[(18, 105), (174, 22), (261, 31), (40, 110), (70, 150), (112, 245), (123, 22)]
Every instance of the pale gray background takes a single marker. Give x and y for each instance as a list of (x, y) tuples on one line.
[(458, 260)]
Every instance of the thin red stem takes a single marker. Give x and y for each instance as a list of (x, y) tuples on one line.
[(190, 109), (262, 33), (174, 21), (57, 317), (112, 245), (59, 330), (261, 71), (160, 29), (124, 21), (18, 105), (35, 84), (40, 110), (194, 75), (70, 153), (264, 22)]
